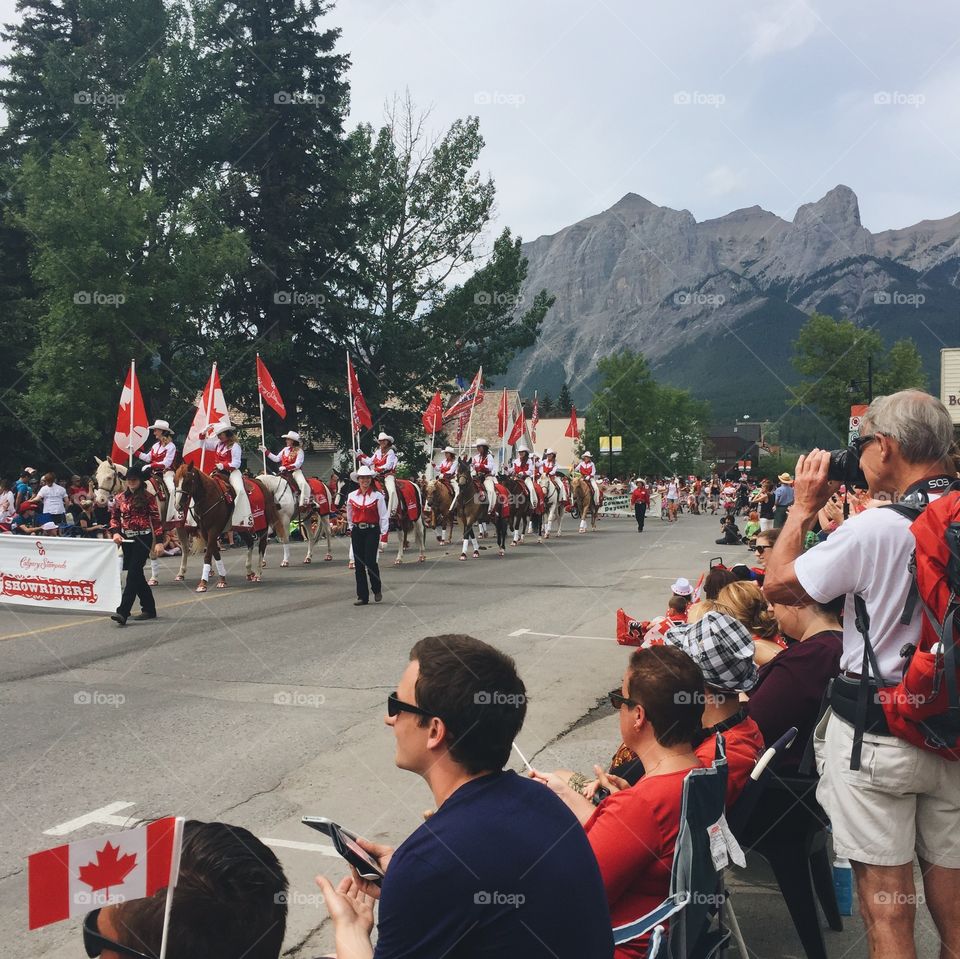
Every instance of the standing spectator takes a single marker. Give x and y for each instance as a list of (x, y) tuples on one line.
[(8, 502), (52, 501), (900, 800), (367, 522), (502, 867), (783, 500), (23, 489), (640, 501), (78, 489), (764, 498)]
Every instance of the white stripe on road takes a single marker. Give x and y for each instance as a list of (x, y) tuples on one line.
[(322, 848), (530, 632), (104, 816)]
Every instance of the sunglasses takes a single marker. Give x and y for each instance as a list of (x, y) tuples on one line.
[(617, 700), (761, 549), (395, 706), (859, 442), (94, 943)]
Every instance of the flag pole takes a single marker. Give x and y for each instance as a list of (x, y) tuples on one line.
[(203, 439), (533, 432), (263, 432), (171, 883), (133, 409), (350, 417), (473, 406)]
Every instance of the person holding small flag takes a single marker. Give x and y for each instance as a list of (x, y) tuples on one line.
[(136, 528), (228, 458), (161, 457), (367, 522), (290, 459), (383, 462)]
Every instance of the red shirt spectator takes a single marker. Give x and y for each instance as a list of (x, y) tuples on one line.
[(744, 743), (633, 834)]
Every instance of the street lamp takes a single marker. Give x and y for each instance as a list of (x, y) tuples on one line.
[(855, 384)]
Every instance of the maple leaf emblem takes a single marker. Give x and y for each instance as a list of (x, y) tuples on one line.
[(109, 868)]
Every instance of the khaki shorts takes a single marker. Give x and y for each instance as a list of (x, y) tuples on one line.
[(902, 800)]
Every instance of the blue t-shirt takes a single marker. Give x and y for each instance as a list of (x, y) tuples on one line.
[(503, 870), (783, 495)]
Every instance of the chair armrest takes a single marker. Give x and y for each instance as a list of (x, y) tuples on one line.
[(639, 927)]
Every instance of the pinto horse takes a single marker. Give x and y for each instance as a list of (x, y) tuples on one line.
[(206, 500), (405, 525), (553, 508), (582, 494), (288, 507)]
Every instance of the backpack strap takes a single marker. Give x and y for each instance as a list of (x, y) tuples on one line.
[(863, 693)]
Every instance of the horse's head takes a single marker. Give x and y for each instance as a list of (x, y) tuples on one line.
[(186, 482), (108, 479), (463, 471)]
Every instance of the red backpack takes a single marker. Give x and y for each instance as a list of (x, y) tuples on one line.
[(924, 707)]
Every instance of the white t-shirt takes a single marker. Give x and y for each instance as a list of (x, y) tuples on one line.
[(7, 500), (868, 554), (52, 499)]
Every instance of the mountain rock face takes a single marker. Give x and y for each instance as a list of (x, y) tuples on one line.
[(716, 305)]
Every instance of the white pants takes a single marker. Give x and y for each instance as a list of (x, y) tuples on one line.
[(561, 491), (765, 524), (241, 505), (488, 485), (168, 512), (302, 484), (390, 484), (596, 490), (531, 489)]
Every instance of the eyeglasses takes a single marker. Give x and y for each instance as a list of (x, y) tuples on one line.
[(617, 699), (94, 943), (859, 442), (759, 550), (395, 706)]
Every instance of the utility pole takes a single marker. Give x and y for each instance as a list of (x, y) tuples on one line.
[(610, 436), (869, 379)]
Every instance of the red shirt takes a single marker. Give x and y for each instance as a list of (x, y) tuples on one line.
[(744, 744), (640, 495), (633, 834)]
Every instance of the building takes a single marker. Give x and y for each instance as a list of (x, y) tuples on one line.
[(726, 447), (950, 382)]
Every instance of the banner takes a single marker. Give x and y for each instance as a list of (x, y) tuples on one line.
[(54, 573), (572, 430), (518, 428), (503, 414)]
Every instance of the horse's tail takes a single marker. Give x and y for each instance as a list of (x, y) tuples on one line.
[(197, 545)]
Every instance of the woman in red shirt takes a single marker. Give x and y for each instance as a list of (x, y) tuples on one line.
[(633, 832)]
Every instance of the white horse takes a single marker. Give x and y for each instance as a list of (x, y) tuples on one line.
[(553, 506), (108, 481), (287, 508)]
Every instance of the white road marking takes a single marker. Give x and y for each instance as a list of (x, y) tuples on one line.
[(104, 816), (531, 632), (322, 848), (519, 632)]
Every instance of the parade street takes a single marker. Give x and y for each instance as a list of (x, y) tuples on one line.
[(259, 704)]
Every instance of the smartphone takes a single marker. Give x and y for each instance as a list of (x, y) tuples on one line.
[(345, 842)]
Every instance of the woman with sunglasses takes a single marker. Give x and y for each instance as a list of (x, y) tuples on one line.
[(764, 546)]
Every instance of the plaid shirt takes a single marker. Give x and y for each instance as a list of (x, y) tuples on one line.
[(722, 647), (126, 515)]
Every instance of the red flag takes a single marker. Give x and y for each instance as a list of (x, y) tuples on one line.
[(361, 412), (629, 630), (72, 879), (268, 389), (132, 423), (462, 421), (433, 414), (519, 424), (572, 429), (503, 414), (534, 419), (472, 396), (211, 410)]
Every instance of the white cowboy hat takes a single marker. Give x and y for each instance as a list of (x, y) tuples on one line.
[(549, 452), (384, 436), (223, 428), (522, 447), (449, 449), (49, 526), (482, 442), (292, 435), (682, 587), (588, 454), (161, 425), (363, 471)]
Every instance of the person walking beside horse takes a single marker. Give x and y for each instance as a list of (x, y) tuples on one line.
[(367, 521), (290, 459)]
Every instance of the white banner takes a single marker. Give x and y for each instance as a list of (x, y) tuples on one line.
[(615, 505), (54, 573)]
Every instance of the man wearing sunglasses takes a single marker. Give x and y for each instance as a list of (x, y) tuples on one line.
[(230, 902), (502, 867)]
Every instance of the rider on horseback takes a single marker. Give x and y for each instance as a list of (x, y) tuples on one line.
[(523, 469), (228, 457), (290, 459), (548, 466), (485, 468), (447, 472), (588, 470), (384, 464), (161, 456)]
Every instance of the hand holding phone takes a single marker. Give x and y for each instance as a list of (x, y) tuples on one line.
[(348, 846)]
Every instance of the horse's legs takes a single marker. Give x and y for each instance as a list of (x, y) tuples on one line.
[(184, 537), (218, 562), (402, 536), (467, 532), (307, 533), (250, 540), (328, 535), (207, 559)]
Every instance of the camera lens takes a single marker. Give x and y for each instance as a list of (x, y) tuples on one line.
[(845, 468)]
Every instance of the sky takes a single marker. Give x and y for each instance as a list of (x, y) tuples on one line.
[(701, 106)]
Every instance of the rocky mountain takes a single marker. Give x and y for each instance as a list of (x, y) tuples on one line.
[(715, 305)]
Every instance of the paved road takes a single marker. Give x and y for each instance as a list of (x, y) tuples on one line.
[(262, 703)]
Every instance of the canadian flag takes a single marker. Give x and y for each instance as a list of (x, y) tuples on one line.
[(132, 423), (71, 880), (211, 409)]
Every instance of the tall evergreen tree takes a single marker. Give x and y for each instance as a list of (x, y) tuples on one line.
[(564, 403)]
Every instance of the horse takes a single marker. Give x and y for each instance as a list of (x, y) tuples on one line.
[(521, 509), (404, 525), (205, 498), (108, 480), (438, 499), (553, 508), (471, 507), (288, 507), (586, 503)]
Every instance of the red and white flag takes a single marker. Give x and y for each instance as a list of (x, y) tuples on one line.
[(519, 424), (132, 423), (503, 414), (73, 879), (360, 412), (572, 430), (433, 415), (534, 419), (471, 397), (268, 389), (462, 421), (211, 410)]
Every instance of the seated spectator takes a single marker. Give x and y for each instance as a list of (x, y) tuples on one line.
[(751, 528), (729, 531), (764, 545), (746, 603), (49, 529), (230, 901), (501, 868), (723, 649), (87, 521), (78, 489), (634, 830), (25, 522), (171, 543), (790, 687)]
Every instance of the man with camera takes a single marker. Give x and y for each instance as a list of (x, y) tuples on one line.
[(896, 800)]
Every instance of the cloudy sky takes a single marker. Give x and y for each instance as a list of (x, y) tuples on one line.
[(707, 106)]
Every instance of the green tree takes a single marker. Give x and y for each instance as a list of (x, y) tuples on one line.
[(546, 405), (834, 355), (564, 403)]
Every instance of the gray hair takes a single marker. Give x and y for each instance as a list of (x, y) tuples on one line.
[(918, 421)]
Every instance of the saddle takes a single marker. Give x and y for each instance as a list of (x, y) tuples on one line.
[(408, 503), (159, 487), (226, 490), (493, 509), (321, 496), (291, 482)]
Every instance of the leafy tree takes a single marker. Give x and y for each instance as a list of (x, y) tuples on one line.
[(564, 403), (834, 356)]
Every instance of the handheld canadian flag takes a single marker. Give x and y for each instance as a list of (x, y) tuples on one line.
[(132, 423), (73, 879), (211, 410), (572, 430), (433, 414), (360, 412), (268, 389), (519, 425), (503, 413)]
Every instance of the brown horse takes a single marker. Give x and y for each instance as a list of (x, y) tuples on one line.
[(521, 509), (581, 492), (203, 496), (438, 498), (471, 507)]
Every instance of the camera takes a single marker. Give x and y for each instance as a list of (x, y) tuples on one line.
[(845, 468)]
